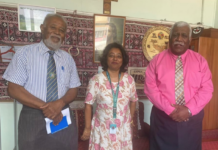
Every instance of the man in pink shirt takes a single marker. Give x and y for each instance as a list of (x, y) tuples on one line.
[(178, 83)]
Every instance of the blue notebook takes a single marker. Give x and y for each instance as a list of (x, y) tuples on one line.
[(63, 124)]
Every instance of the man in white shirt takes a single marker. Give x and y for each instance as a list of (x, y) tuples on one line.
[(29, 78)]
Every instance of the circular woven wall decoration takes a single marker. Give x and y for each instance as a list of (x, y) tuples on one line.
[(155, 41)]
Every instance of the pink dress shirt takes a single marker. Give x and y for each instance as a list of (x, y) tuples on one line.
[(160, 81)]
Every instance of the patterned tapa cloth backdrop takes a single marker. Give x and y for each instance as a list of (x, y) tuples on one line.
[(79, 34)]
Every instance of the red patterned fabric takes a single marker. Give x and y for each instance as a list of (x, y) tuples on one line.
[(211, 145), (83, 145), (210, 135), (210, 140), (141, 143), (79, 115), (135, 126), (79, 34)]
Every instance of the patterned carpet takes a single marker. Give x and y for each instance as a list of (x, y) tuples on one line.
[(138, 144), (143, 144), (211, 145), (80, 33), (209, 142)]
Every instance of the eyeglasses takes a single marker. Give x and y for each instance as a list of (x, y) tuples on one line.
[(115, 56)]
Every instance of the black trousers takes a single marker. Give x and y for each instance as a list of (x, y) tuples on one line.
[(32, 134), (167, 134)]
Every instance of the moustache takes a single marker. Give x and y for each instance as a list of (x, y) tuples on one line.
[(180, 43), (57, 36)]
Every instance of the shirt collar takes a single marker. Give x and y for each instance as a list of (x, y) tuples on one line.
[(183, 56), (44, 49)]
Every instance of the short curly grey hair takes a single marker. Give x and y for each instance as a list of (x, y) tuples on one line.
[(48, 16), (181, 24)]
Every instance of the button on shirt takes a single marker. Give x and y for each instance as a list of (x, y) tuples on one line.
[(160, 81), (28, 68)]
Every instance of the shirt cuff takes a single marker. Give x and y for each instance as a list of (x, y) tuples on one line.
[(75, 85), (169, 110), (191, 108), (13, 81)]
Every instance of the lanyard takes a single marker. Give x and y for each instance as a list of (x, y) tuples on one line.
[(114, 96)]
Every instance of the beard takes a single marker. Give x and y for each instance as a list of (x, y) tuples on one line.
[(51, 44)]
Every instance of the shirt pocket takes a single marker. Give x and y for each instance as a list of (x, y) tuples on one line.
[(65, 78)]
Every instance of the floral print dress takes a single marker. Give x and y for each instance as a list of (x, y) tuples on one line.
[(99, 90)]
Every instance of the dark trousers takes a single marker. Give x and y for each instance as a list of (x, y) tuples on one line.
[(32, 134), (166, 134)]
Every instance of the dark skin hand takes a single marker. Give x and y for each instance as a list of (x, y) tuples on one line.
[(180, 113), (87, 130), (52, 110), (57, 119), (86, 134)]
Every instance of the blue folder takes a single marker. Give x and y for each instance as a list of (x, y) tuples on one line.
[(63, 124)]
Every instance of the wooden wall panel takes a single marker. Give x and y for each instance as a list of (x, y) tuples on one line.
[(211, 32), (208, 48), (194, 45)]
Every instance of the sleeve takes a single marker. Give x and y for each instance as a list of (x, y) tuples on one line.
[(133, 94), (152, 92), (16, 71), (204, 93), (92, 90), (74, 78)]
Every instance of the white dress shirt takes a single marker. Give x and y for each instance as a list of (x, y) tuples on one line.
[(28, 68)]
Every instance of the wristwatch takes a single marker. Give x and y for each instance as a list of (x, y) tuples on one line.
[(190, 113)]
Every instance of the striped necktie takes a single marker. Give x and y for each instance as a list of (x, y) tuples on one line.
[(179, 86), (51, 81)]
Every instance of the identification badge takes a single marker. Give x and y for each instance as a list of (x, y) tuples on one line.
[(113, 128)]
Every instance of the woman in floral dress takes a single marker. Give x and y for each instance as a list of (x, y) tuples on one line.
[(100, 130)]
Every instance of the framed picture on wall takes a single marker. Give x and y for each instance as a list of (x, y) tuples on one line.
[(107, 29), (31, 17), (138, 73)]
